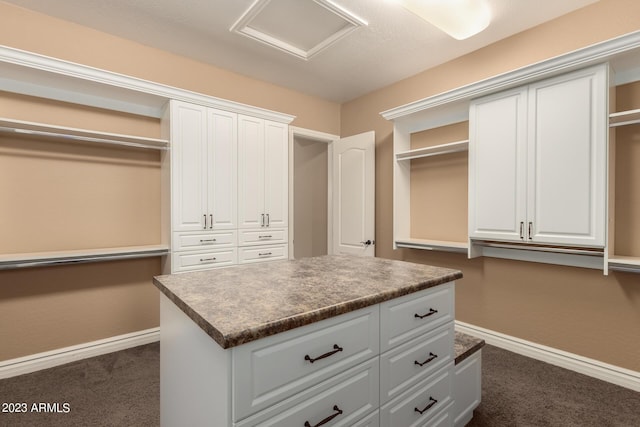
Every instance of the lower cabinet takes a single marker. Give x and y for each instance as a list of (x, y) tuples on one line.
[(334, 372)]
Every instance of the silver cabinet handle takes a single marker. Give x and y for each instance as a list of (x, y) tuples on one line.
[(522, 229), (205, 221), (207, 241), (530, 230), (265, 253), (210, 222), (262, 222), (207, 259), (268, 236), (268, 220)]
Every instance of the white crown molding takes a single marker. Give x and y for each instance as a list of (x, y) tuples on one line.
[(49, 359), (593, 368), (33, 74), (611, 50)]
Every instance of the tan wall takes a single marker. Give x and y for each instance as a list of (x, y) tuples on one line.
[(59, 196), (572, 309)]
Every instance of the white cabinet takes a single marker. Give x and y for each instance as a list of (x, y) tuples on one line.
[(204, 177), (537, 162), (262, 171)]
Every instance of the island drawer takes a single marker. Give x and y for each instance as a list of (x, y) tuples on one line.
[(413, 361), (346, 400), (204, 241), (275, 368), (418, 405), (192, 261), (405, 318), (262, 237), (253, 254)]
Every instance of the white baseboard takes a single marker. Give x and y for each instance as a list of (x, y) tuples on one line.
[(49, 359), (591, 367)]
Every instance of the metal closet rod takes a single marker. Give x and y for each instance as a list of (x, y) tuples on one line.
[(79, 259)]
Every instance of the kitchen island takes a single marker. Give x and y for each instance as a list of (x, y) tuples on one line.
[(333, 340)]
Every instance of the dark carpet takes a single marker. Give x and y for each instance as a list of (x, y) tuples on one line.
[(122, 389)]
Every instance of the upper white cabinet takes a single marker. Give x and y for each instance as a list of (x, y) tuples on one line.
[(537, 162), (204, 157), (262, 171)]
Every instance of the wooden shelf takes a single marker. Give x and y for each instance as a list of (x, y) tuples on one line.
[(44, 259), (624, 263), (433, 245), (452, 147), (623, 118), (61, 133)]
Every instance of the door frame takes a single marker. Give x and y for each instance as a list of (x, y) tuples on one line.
[(328, 139)]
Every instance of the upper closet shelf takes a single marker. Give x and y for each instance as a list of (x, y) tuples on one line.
[(45, 259), (452, 147), (433, 245), (61, 133), (624, 263), (624, 118)]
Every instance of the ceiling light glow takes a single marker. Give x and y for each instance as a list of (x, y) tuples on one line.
[(460, 19)]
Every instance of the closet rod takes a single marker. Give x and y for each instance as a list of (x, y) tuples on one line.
[(80, 259)]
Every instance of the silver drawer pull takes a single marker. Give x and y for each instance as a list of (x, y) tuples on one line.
[(265, 237), (431, 357), (207, 240), (430, 313), (207, 259), (265, 253), (429, 406), (337, 412)]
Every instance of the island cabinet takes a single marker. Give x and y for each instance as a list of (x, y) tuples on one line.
[(334, 340), (537, 162)]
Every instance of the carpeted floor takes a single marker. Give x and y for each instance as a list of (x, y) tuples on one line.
[(122, 389)]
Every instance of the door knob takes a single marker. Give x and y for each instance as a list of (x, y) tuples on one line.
[(368, 242)]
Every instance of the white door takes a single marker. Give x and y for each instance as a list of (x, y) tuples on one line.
[(276, 174), (222, 152), (354, 195), (250, 172)]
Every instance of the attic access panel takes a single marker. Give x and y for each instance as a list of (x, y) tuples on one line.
[(302, 28)]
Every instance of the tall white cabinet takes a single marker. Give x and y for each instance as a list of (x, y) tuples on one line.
[(228, 171), (537, 162)]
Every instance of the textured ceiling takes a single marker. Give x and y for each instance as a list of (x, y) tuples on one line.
[(394, 45)]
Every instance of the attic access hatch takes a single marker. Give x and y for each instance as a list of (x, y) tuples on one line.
[(302, 28)]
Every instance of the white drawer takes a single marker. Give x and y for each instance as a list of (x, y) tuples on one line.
[(253, 254), (275, 368), (418, 405), (204, 241), (341, 401), (371, 420), (192, 261), (404, 318), (262, 237), (409, 363)]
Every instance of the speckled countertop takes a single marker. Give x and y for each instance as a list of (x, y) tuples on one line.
[(466, 345), (240, 304)]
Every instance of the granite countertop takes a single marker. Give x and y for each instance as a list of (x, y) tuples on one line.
[(243, 303), (466, 345)]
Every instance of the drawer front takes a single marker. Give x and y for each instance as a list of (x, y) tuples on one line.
[(192, 261), (413, 361), (204, 241), (262, 253), (418, 405), (405, 318), (275, 368), (262, 237), (341, 401)]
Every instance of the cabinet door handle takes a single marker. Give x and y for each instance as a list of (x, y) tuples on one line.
[(207, 259), (522, 229), (336, 349), (530, 230), (431, 357), (205, 221), (207, 241), (268, 220), (262, 222), (430, 313), (337, 410), (211, 222), (429, 406)]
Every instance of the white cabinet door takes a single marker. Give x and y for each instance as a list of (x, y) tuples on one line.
[(497, 165), (262, 171), (222, 153), (567, 159), (189, 166), (276, 178)]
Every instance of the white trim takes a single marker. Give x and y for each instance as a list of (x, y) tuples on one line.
[(583, 365), (43, 76), (49, 359), (319, 137)]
